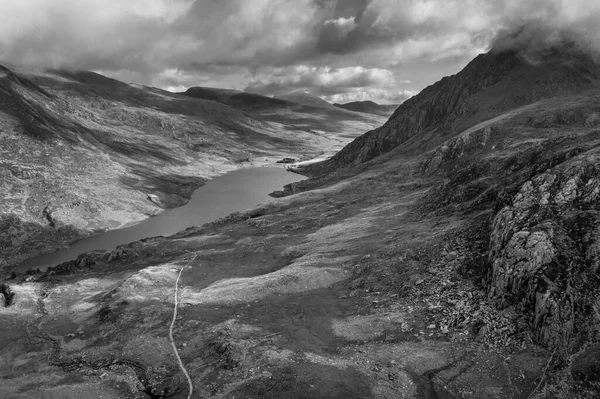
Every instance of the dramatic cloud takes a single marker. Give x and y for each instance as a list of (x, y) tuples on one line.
[(332, 47), (381, 96), (540, 23), (148, 36), (334, 85), (319, 80)]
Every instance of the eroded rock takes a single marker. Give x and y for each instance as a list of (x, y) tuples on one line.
[(9, 295), (544, 250)]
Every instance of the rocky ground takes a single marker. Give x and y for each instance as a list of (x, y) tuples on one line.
[(330, 293), (81, 153)]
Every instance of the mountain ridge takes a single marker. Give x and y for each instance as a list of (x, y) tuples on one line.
[(433, 111), (305, 98), (369, 107), (236, 98)]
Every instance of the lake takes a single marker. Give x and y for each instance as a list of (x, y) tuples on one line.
[(232, 192)]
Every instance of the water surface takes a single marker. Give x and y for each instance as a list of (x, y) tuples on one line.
[(232, 192)]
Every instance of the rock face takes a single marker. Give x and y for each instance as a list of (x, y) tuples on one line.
[(545, 250)]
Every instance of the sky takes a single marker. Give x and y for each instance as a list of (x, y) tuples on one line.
[(340, 50)]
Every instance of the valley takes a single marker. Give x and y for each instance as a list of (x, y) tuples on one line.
[(449, 252), (82, 153), (220, 196)]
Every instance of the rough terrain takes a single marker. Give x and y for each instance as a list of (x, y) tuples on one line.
[(452, 253)]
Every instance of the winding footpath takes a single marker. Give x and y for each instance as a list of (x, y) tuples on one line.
[(181, 366)]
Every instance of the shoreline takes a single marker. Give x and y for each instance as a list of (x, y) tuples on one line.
[(23, 268)]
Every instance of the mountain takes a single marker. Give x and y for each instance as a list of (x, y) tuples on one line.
[(369, 107), (450, 253), (304, 98), (487, 87), (237, 99), (297, 110)]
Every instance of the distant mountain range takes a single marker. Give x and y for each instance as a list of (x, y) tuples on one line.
[(237, 99), (253, 102), (304, 98), (369, 107)]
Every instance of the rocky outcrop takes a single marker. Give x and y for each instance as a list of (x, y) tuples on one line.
[(447, 155), (9, 295), (155, 199), (288, 189), (545, 251)]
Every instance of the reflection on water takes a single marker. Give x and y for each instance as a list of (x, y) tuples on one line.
[(235, 191)]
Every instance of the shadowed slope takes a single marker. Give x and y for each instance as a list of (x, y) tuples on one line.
[(237, 99), (369, 107), (304, 98)]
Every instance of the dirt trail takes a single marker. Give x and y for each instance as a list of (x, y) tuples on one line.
[(175, 306)]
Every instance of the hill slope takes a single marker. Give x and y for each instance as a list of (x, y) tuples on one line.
[(237, 99), (304, 98), (369, 107)]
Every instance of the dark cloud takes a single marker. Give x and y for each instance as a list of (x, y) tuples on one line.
[(575, 22), (233, 43), (349, 31)]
